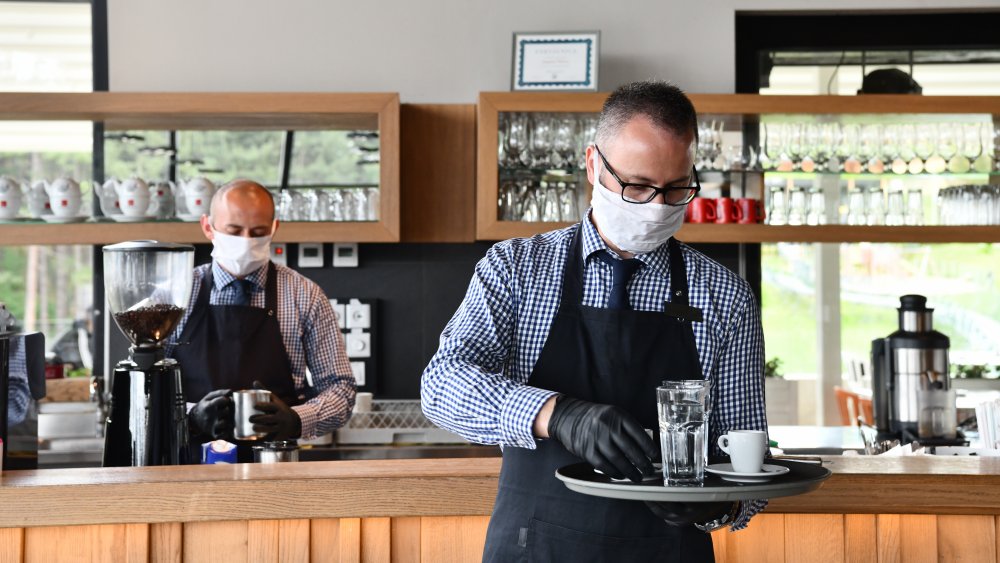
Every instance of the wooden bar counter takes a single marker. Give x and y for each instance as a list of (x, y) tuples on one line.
[(871, 509)]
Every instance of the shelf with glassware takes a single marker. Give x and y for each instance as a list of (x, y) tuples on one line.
[(313, 210), (821, 146)]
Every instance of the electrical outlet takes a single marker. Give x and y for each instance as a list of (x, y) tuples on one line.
[(358, 368), (279, 253), (310, 255), (359, 315), (358, 344)]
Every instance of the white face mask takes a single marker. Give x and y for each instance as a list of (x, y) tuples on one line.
[(241, 255), (635, 228)]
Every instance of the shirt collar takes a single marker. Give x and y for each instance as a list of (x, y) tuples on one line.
[(657, 260), (221, 278)]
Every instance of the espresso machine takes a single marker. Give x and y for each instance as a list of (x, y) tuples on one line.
[(148, 285), (910, 383), (22, 384)]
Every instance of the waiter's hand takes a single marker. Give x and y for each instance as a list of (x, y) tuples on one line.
[(687, 513), (605, 436), (279, 421), (213, 415)]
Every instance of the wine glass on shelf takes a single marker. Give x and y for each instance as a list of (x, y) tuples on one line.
[(848, 148), (516, 140), (829, 140), (925, 145), (810, 147), (890, 147), (949, 137), (564, 141), (540, 140), (869, 151), (586, 131), (907, 152), (982, 162)]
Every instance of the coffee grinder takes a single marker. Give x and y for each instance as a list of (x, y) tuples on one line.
[(910, 384), (148, 285)]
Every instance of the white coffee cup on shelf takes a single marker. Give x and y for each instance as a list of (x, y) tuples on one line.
[(198, 195), (11, 194), (363, 402), (64, 197), (746, 449)]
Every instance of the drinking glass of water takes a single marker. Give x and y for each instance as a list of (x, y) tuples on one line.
[(683, 408)]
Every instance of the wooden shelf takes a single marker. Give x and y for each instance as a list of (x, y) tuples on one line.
[(702, 233), (214, 110), (18, 234), (746, 105)]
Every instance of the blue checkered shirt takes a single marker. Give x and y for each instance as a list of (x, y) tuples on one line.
[(476, 383), (311, 336), (18, 393)]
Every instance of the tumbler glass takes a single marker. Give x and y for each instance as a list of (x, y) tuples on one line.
[(684, 408)]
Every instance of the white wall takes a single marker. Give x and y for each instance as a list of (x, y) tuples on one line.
[(443, 51)]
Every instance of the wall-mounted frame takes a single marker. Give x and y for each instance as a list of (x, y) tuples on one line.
[(555, 61)]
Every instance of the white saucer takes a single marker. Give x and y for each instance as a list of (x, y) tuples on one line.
[(186, 217), (14, 219), (725, 470), (658, 475), (132, 218), (69, 219)]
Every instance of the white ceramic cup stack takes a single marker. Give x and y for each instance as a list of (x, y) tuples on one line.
[(11, 196)]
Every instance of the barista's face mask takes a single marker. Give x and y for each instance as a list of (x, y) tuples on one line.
[(635, 228), (241, 256)]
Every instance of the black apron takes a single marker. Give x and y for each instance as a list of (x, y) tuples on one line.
[(616, 357), (231, 346)]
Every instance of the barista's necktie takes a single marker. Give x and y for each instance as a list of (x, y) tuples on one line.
[(244, 288), (621, 272)]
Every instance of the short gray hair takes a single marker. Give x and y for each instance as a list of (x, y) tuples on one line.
[(661, 102)]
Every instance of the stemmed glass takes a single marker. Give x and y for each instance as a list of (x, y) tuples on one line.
[(585, 136), (830, 139), (848, 147), (515, 140), (564, 140), (811, 151), (923, 147), (869, 149), (540, 140), (949, 137)]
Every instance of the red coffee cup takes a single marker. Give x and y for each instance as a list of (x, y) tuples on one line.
[(726, 210), (702, 210), (751, 210)]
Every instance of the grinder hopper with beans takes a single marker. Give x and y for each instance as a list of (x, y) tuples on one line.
[(148, 285)]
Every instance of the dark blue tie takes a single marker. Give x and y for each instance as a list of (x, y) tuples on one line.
[(621, 273), (244, 288)]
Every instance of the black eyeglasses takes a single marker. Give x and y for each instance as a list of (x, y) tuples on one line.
[(644, 193)]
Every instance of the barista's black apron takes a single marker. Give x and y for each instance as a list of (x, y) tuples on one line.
[(231, 346), (616, 357)]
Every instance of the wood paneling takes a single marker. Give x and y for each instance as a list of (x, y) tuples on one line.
[(860, 538), (376, 540), (293, 541), (324, 540), (83, 544), (212, 542), (349, 540), (11, 545), (406, 539), (818, 538), (966, 538), (453, 538), (166, 542), (262, 541), (438, 185), (762, 541)]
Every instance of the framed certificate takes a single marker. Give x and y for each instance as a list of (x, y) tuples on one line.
[(555, 61)]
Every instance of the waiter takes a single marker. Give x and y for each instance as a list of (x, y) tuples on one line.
[(562, 338), (252, 323)]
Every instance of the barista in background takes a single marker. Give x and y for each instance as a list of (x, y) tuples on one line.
[(250, 321)]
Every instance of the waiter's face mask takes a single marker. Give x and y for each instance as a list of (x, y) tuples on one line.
[(632, 227), (241, 255)]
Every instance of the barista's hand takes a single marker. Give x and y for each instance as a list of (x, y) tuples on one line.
[(687, 513), (213, 415), (279, 421), (605, 436)]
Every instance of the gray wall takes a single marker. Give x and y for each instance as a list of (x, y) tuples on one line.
[(431, 51)]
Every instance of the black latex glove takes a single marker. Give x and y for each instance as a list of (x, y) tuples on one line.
[(687, 513), (605, 436), (213, 415), (279, 421)]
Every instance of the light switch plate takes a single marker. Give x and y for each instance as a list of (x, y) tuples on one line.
[(310, 255), (359, 315), (358, 344), (345, 255), (279, 253), (340, 310), (359, 373)]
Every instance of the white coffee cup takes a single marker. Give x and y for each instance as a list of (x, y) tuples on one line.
[(746, 449)]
